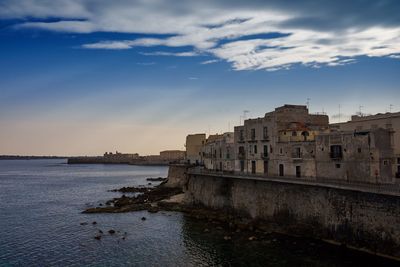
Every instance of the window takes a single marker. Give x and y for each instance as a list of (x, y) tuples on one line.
[(265, 133), (228, 153), (281, 170), (281, 151), (294, 133), (255, 149), (398, 160), (241, 136), (297, 152), (385, 163), (305, 134), (359, 150), (336, 151), (253, 134), (265, 151), (298, 171), (337, 166)]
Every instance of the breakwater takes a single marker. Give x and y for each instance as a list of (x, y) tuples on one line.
[(359, 219), (104, 160)]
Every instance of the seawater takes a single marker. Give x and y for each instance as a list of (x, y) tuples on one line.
[(41, 204)]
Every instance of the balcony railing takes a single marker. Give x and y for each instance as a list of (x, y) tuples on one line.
[(264, 155), (241, 155)]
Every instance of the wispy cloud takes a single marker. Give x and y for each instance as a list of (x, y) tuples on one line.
[(177, 54), (312, 33), (209, 61)]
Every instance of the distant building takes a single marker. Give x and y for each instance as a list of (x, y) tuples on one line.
[(194, 144), (118, 157), (172, 155)]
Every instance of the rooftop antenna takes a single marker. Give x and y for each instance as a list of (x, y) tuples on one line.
[(244, 114), (360, 111), (308, 103), (229, 126), (339, 112), (390, 108)]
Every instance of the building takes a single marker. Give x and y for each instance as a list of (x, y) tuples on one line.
[(279, 144), (194, 144), (218, 152), (389, 121), (172, 155), (355, 156), (118, 157)]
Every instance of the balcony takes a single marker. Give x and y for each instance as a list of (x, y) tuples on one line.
[(241, 139), (265, 138), (241, 155)]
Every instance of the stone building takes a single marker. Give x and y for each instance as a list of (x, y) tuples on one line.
[(389, 121), (194, 144), (118, 157), (355, 156), (218, 152), (280, 143), (172, 155)]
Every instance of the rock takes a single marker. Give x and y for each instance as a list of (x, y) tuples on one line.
[(143, 218), (100, 204), (100, 231), (111, 232), (84, 223), (252, 238), (227, 237), (149, 183), (206, 230), (94, 222), (98, 237)]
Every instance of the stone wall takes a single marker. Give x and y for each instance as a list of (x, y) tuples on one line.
[(177, 174), (362, 220)]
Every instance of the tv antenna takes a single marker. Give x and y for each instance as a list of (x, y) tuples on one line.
[(244, 116), (339, 112), (390, 108), (308, 103), (360, 111)]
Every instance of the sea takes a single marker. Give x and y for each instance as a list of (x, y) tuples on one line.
[(42, 224)]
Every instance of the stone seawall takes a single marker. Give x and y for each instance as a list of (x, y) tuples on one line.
[(177, 175), (366, 221)]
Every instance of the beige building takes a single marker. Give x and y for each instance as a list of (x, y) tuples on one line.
[(194, 144), (280, 143), (389, 121), (218, 152)]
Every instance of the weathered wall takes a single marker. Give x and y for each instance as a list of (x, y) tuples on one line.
[(363, 220), (177, 175)]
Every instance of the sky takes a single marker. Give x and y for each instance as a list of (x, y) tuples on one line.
[(81, 77)]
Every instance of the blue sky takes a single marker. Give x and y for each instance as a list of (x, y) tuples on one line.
[(79, 77)]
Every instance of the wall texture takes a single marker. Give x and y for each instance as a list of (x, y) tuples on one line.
[(363, 220)]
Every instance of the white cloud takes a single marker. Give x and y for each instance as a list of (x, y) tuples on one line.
[(323, 33), (177, 54), (211, 61)]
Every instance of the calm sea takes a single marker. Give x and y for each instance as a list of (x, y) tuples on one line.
[(40, 225)]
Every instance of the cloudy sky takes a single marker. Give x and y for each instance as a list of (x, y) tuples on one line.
[(80, 77)]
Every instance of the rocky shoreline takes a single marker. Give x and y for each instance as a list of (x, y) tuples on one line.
[(164, 198)]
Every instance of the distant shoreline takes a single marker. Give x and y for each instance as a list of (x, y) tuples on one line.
[(8, 157)]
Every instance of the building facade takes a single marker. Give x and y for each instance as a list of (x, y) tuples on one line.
[(389, 121), (194, 144), (218, 152), (355, 156), (279, 144)]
